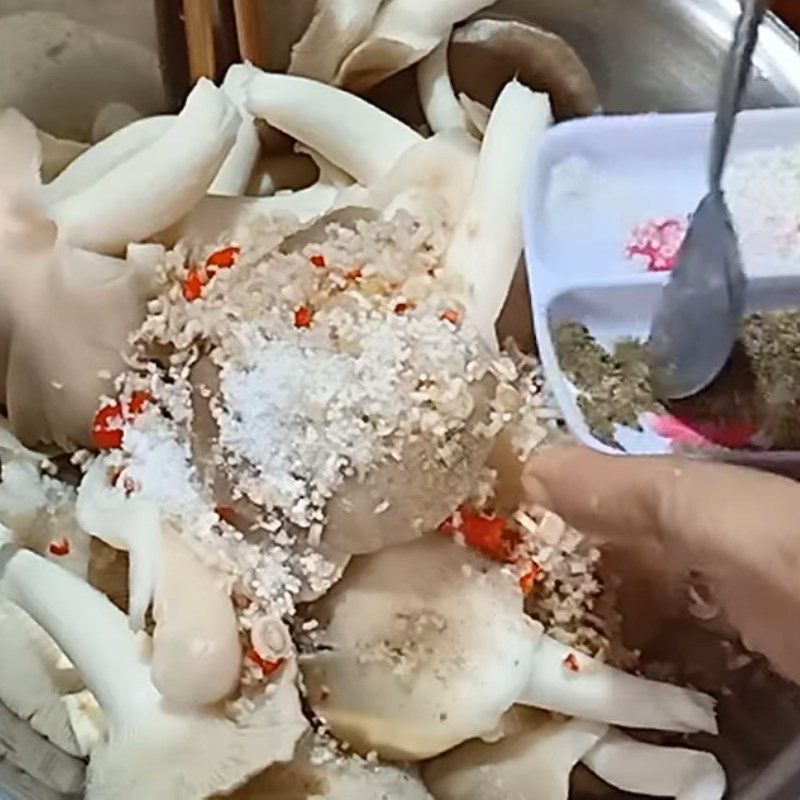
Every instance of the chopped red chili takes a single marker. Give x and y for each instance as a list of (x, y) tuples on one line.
[(451, 315), (401, 308), (490, 535), (193, 284), (303, 317), (225, 513), (318, 261), (571, 663), (528, 581), (108, 422), (139, 401), (107, 427), (265, 665), (224, 258), (60, 548)]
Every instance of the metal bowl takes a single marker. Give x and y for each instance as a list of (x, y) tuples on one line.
[(644, 55)]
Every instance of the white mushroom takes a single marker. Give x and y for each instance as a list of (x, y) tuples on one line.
[(654, 770), (478, 115), (196, 651), (110, 118), (153, 749), (34, 678), (403, 33), (235, 172), (197, 658), (283, 171), (39, 509), (487, 244), (427, 646), (107, 154), (439, 102), (58, 154), (23, 498), (360, 139), (44, 762), (486, 53), (438, 172), (337, 27), (155, 186), (65, 319), (574, 684), (124, 523), (536, 763)]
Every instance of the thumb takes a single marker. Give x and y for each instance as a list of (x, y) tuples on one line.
[(736, 526), (610, 497)]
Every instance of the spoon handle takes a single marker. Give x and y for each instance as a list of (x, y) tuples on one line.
[(734, 80)]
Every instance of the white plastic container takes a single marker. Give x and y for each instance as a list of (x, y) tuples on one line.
[(594, 182)]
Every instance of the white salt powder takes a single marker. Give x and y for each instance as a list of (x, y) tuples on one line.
[(159, 464), (763, 191)]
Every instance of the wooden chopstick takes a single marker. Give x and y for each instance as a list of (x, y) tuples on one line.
[(249, 30), (198, 17)]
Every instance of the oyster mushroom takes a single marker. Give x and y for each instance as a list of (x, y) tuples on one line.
[(355, 136), (38, 758), (487, 243), (402, 35), (111, 118), (97, 160), (337, 27), (417, 492), (65, 319), (156, 185), (649, 769), (426, 645), (153, 748), (58, 154), (442, 108), (536, 763), (487, 53), (196, 652)]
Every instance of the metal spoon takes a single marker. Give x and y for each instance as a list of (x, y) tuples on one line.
[(697, 320)]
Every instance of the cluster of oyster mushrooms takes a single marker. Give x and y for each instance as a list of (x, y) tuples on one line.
[(285, 553)]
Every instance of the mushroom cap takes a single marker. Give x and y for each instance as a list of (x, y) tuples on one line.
[(420, 491), (428, 648), (486, 53)]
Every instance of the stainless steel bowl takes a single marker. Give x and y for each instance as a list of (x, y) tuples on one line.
[(644, 55)]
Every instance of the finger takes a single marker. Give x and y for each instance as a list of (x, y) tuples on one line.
[(735, 525), (608, 496)]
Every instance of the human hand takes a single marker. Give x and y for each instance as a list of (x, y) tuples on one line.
[(670, 518)]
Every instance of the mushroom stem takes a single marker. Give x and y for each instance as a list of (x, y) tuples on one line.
[(574, 684), (337, 27), (536, 764), (158, 184), (107, 154), (439, 102), (487, 244), (129, 524), (404, 32), (652, 770), (196, 652), (197, 658), (34, 679), (91, 631), (153, 750), (235, 172), (349, 132)]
